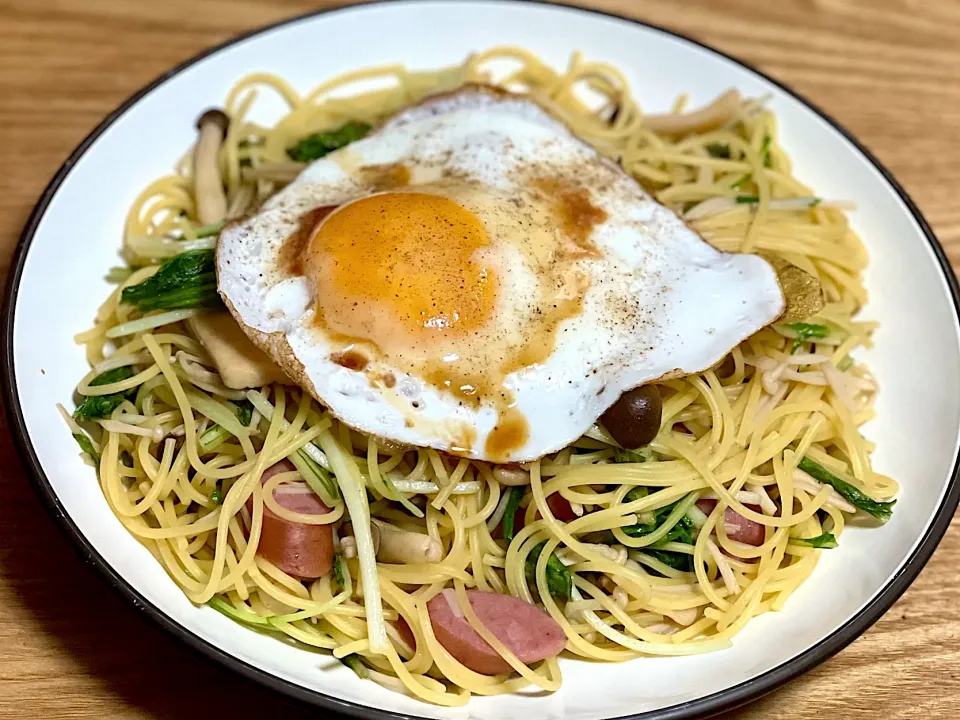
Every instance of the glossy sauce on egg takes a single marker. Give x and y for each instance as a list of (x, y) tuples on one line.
[(412, 277), (473, 278)]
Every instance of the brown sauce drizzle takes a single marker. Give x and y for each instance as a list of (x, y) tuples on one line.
[(563, 205), (511, 432), (463, 441), (290, 257), (574, 212), (351, 360)]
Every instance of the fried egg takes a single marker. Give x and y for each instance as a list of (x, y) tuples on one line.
[(473, 278)]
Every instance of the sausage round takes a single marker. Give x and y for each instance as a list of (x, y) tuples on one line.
[(737, 526), (303, 551), (404, 631), (529, 632), (560, 507)]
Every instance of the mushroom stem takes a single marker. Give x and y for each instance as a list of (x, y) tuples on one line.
[(348, 542), (402, 547), (709, 117), (208, 185), (511, 475)]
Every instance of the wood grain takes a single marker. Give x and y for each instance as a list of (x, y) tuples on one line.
[(69, 648)]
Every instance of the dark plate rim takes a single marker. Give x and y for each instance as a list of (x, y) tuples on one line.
[(721, 701)]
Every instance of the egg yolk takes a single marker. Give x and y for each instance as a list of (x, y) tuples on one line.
[(401, 270), (454, 283)]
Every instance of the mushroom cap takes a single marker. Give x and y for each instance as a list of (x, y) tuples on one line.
[(214, 116)]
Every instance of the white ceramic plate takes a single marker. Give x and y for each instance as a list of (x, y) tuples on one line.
[(73, 236)]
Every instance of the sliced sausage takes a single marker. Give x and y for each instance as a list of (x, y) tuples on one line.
[(737, 526), (404, 631), (304, 551), (560, 507), (529, 632)]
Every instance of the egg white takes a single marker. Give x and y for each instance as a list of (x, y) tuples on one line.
[(688, 303)]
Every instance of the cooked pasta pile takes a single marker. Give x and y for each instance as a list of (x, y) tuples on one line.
[(770, 433)]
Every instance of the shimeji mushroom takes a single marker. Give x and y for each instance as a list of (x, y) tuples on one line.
[(403, 547), (208, 185), (393, 545), (709, 117), (511, 475)]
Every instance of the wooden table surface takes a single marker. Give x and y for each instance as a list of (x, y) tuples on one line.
[(70, 648)]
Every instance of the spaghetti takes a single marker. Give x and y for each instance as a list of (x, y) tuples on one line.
[(770, 434)]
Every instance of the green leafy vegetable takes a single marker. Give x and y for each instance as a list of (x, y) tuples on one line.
[(216, 497), (804, 332), (606, 537), (319, 144), (188, 280), (880, 510), (559, 579), (510, 514), (824, 541), (212, 436), (845, 364), (209, 230), (114, 375), (747, 199), (319, 480), (676, 560), (244, 616), (354, 662), (100, 406), (86, 444), (215, 434), (684, 531), (718, 150), (339, 571), (245, 412), (765, 151), (644, 454)]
